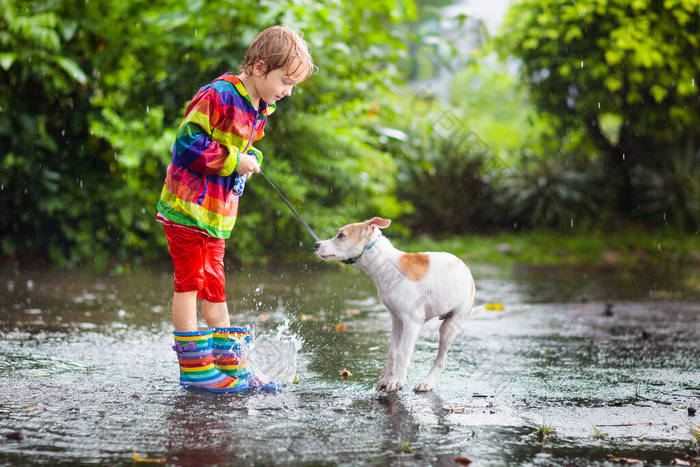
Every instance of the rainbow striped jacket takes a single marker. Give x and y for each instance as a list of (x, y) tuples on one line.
[(220, 124)]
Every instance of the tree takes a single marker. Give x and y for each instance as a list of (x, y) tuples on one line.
[(625, 71)]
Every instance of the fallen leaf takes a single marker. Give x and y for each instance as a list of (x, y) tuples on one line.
[(626, 460), (679, 461), (263, 316), (15, 435), (341, 327), (304, 317), (345, 373), (30, 408), (138, 458), (494, 306), (352, 312), (296, 380), (463, 460)]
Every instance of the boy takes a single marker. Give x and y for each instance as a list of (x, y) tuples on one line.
[(211, 160)]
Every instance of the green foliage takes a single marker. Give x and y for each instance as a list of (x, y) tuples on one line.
[(548, 191), (497, 108), (636, 62), (444, 179), (91, 93), (671, 193)]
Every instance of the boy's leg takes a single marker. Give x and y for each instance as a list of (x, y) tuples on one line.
[(185, 311), (213, 293), (187, 251), (215, 314)]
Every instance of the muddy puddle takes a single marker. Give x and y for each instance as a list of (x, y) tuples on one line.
[(87, 374)]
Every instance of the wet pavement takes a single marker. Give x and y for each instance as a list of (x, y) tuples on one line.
[(87, 374)]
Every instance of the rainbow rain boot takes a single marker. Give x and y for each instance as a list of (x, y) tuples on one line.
[(197, 369), (231, 346)]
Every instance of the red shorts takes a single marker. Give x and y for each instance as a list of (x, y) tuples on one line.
[(198, 261)]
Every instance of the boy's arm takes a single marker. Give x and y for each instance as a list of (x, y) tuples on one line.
[(195, 149)]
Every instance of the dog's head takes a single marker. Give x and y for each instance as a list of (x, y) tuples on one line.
[(351, 240)]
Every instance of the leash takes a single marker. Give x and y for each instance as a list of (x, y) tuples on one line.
[(291, 208)]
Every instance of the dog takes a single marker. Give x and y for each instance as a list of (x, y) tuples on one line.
[(414, 287)]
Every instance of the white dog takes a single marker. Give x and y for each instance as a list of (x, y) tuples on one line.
[(415, 287)]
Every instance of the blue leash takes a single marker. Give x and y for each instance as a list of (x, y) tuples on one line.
[(291, 208)]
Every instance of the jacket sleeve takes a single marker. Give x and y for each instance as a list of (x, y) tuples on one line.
[(257, 153), (194, 148)]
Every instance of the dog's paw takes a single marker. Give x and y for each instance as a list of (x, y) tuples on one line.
[(394, 385), (424, 386), (381, 385)]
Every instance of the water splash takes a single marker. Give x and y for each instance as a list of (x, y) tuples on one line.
[(274, 357)]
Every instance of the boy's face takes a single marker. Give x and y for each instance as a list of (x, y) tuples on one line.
[(278, 83)]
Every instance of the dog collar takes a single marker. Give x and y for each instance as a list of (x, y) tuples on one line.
[(356, 258)]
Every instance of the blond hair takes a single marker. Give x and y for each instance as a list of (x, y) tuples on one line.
[(277, 47)]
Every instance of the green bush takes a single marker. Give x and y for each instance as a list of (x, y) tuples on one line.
[(548, 191), (444, 180), (670, 193)]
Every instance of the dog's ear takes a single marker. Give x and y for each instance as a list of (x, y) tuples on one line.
[(379, 222)]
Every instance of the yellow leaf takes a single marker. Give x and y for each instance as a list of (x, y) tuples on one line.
[(138, 458), (613, 57), (494, 306), (613, 84), (658, 92)]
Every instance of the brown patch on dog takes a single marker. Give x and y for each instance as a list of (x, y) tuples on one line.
[(354, 233), (414, 265)]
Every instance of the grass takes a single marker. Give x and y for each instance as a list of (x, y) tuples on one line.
[(597, 434), (695, 431), (544, 431), (577, 247)]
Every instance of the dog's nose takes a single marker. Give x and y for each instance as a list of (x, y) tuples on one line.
[(317, 244)]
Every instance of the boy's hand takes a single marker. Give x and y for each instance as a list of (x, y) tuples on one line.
[(248, 165)]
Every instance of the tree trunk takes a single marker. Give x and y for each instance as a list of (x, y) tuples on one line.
[(617, 163)]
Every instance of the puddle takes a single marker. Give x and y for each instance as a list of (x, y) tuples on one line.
[(88, 375)]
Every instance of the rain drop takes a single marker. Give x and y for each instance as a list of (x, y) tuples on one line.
[(598, 104), (572, 222), (692, 81), (623, 156), (81, 184), (581, 63), (664, 217), (148, 109)]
